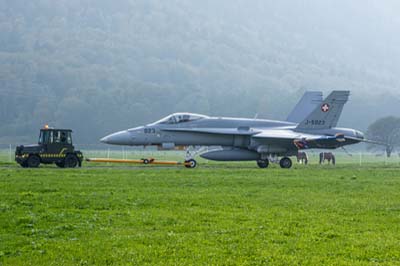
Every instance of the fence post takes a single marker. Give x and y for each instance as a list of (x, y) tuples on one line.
[(9, 155)]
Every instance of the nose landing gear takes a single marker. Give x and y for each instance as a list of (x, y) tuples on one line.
[(191, 152), (190, 163)]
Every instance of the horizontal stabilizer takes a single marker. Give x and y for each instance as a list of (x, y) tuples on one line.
[(301, 140)]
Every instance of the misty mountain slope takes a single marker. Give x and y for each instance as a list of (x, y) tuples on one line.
[(116, 65)]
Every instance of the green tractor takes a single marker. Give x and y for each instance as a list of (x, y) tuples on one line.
[(54, 146)]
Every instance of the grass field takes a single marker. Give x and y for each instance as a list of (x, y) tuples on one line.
[(217, 214)]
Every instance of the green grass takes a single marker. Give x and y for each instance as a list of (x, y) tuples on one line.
[(7, 156), (217, 214)]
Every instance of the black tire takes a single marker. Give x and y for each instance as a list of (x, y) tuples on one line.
[(70, 161), (190, 163), (60, 164), (263, 163), (285, 163), (33, 161), (24, 164), (146, 161)]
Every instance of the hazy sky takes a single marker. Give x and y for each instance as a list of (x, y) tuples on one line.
[(140, 60)]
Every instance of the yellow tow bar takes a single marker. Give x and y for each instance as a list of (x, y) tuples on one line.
[(189, 164)]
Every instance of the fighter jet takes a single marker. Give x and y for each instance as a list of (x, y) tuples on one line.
[(242, 139)]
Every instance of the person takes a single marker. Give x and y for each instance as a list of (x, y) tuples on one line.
[(63, 137)]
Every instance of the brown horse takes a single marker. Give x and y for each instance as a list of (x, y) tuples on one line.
[(329, 156), (302, 157)]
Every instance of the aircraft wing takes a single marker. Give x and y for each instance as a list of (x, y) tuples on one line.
[(281, 134), (289, 138), (275, 137), (222, 131)]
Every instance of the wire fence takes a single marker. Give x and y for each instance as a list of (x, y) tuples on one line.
[(360, 157), (7, 152)]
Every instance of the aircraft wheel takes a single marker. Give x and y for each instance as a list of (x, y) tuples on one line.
[(70, 161), (263, 163), (33, 161), (190, 163), (285, 162)]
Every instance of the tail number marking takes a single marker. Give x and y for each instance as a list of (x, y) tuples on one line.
[(315, 122)]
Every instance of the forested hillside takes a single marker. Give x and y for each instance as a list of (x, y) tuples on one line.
[(98, 66)]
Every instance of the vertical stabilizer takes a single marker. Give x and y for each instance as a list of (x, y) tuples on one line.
[(309, 101), (326, 114)]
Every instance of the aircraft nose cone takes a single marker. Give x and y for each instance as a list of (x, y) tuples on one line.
[(104, 140), (119, 138)]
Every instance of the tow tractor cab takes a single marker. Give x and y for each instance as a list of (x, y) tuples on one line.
[(54, 146)]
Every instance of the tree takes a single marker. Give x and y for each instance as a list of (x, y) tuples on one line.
[(130, 62), (385, 130)]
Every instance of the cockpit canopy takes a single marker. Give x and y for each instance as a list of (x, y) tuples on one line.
[(178, 118)]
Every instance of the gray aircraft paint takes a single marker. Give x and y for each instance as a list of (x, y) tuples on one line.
[(327, 116), (247, 139), (309, 101)]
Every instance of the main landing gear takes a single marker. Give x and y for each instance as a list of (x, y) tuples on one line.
[(263, 163), (284, 163)]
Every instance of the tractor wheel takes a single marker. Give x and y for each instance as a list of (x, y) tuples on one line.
[(263, 163), (33, 161), (70, 161), (60, 164), (285, 163), (190, 163), (24, 164)]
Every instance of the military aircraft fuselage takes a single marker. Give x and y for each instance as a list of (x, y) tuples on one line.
[(157, 134), (248, 139), (221, 131)]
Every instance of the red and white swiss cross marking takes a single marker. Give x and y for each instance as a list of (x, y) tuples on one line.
[(325, 107)]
